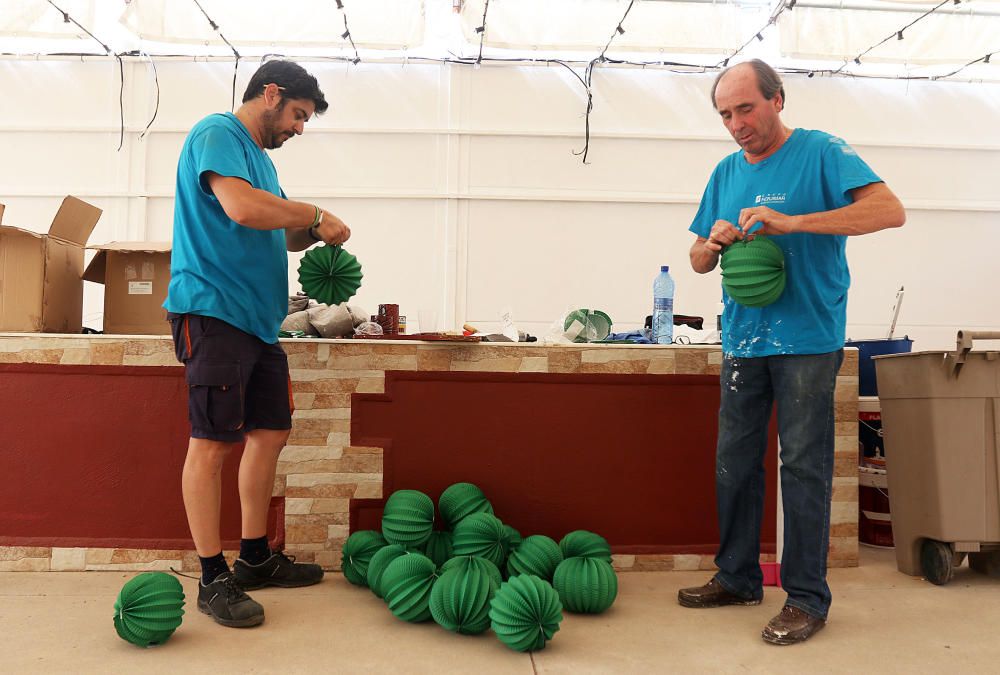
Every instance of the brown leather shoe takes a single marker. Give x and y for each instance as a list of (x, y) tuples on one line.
[(711, 594), (791, 626)]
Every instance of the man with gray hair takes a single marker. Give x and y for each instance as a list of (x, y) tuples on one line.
[(807, 191)]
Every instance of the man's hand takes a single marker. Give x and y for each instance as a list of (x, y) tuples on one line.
[(771, 222), (723, 234), (332, 229)]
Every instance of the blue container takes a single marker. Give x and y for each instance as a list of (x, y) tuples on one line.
[(867, 385)]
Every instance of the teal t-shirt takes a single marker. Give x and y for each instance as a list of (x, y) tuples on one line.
[(813, 171), (219, 268)]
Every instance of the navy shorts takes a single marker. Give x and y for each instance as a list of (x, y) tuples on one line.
[(236, 381)]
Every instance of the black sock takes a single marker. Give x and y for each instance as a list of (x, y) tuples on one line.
[(254, 551), (212, 568)]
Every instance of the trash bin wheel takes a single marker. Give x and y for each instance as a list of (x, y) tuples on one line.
[(936, 561)]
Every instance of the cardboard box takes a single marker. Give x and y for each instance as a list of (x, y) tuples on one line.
[(40, 285), (135, 275)]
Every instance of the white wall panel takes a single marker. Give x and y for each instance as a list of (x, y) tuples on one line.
[(464, 194)]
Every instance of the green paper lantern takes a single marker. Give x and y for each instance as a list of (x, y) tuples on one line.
[(525, 613), (481, 564), (512, 538), (438, 547), (753, 271), (329, 274), (408, 518), (585, 544), (586, 585), (461, 500), (460, 600), (538, 555), (358, 551), (379, 562), (407, 583), (482, 535), (149, 608)]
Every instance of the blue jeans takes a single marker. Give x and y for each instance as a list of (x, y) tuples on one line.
[(802, 386)]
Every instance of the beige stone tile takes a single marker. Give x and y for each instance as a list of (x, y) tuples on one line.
[(25, 565), (663, 364), (69, 559), (685, 562), (14, 553), (534, 364), (99, 556), (305, 453), (298, 506), (302, 400), (75, 357), (331, 506), (500, 365), (623, 562), (653, 563), (691, 361)]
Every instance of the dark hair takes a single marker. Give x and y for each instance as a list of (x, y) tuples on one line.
[(292, 78), (768, 80)]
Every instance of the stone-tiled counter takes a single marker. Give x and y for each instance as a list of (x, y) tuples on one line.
[(320, 471)]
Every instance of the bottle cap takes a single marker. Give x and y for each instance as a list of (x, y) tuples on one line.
[(664, 268)]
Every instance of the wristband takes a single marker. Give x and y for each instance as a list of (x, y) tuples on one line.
[(318, 218)]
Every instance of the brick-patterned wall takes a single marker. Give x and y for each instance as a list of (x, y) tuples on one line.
[(320, 471)]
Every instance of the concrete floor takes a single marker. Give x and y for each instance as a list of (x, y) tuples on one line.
[(882, 621)]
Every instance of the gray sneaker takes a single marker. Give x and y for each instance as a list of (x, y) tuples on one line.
[(225, 601)]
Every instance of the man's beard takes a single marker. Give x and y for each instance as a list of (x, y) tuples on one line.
[(270, 136)]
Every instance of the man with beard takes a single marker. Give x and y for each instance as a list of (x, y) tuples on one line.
[(809, 191), (227, 298)]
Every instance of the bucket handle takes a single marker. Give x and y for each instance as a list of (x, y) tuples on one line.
[(963, 345)]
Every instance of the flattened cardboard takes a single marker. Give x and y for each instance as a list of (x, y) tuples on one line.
[(40, 285), (135, 277)]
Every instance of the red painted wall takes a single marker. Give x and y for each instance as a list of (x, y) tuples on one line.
[(92, 456), (631, 457)]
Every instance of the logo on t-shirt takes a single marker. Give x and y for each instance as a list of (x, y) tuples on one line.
[(769, 198)]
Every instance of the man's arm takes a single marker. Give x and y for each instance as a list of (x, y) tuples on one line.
[(261, 210), (874, 208)]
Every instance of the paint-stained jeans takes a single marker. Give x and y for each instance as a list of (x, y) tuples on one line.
[(802, 386)]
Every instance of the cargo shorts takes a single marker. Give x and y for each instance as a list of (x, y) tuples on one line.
[(236, 381)]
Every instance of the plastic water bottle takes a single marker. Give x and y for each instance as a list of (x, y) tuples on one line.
[(663, 307)]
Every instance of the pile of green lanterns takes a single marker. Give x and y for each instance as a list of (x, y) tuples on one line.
[(478, 573)]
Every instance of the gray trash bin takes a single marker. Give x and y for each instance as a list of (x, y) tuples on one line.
[(941, 426)]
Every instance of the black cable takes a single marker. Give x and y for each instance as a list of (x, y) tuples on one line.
[(897, 34), (588, 80), (347, 33), (482, 32), (68, 19), (236, 67), (156, 108), (775, 13), (985, 59), (121, 101)]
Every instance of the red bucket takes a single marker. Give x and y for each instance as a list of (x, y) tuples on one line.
[(874, 519)]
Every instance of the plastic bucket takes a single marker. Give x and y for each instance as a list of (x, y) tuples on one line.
[(867, 385), (871, 447), (874, 519)]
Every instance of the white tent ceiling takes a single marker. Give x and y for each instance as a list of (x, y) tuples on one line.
[(851, 37)]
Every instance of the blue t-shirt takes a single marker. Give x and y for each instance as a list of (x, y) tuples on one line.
[(219, 268), (813, 171)]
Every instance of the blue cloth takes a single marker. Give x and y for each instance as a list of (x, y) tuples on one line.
[(635, 336), (813, 171), (803, 387), (219, 268)]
